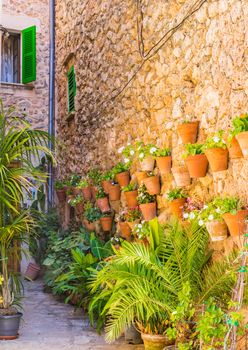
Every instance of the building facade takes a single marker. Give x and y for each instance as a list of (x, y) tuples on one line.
[(24, 60)]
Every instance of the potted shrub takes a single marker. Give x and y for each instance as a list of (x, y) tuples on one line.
[(77, 203), (234, 214), (131, 194), (188, 130), (106, 220), (196, 160), (114, 191), (152, 183), (133, 216), (91, 216), (147, 203), (60, 190), (146, 156), (240, 131), (163, 160), (94, 176), (102, 200), (177, 198), (106, 181), (216, 151), (181, 176), (84, 186), (123, 226), (74, 181), (121, 173)]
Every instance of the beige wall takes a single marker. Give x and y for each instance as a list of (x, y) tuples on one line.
[(31, 99)]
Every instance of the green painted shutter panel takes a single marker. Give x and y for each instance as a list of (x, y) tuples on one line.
[(71, 89), (29, 55)]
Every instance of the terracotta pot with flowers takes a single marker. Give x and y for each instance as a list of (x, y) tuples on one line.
[(131, 193), (121, 173), (240, 131), (164, 160), (216, 152), (74, 181), (60, 188), (177, 198), (196, 161), (85, 188), (124, 228), (181, 176), (188, 130), (77, 203), (152, 184), (102, 200), (146, 156), (133, 216), (106, 221), (91, 216), (147, 203)]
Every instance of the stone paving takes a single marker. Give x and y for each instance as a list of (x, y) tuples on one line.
[(51, 325)]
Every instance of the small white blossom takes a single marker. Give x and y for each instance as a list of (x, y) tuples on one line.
[(218, 210), (142, 155), (216, 139), (139, 226), (192, 216), (120, 150), (211, 217), (128, 144), (185, 215), (201, 222), (187, 117), (205, 206), (132, 152), (126, 160), (153, 150)]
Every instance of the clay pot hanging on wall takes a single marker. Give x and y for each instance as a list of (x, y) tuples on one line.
[(140, 176), (147, 164), (188, 132), (61, 195), (103, 204), (164, 164), (86, 191), (197, 165), (90, 226), (242, 139), (80, 208), (236, 223), (114, 192), (94, 191), (176, 207), (217, 230), (76, 191), (234, 149), (131, 224), (123, 178), (149, 210), (105, 185), (218, 158), (125, 230), (106, 223), (181, 176), (152, 184), (131, 198)]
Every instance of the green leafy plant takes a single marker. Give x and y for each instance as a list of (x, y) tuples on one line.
[(108, 176), (227, 204), (193, 149), (128, 152), (100, 193), (210, 211), (176, 193), (189, 119), (75, 179), (215, 141), (83, 183), (239, 125), (91, 213), (95, 176), (133, 214), (130, 187), (120, 168), (144, 151), (76, 200), (59, 185), (164, 152), (144, 197)]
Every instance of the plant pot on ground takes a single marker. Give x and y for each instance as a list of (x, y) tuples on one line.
[(131, 193), (106, 221), (240, 131), (156, 342), (32, 271), (152, 184), (164, 160), (121, 173), (188, 131), (60, 190), (114, 192), (147, 203), (177, 199), (196, 160), (216, 152), (181, 176), (102, 200)]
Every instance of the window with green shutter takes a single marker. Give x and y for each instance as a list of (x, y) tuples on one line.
[(29, 55), (71, 89)]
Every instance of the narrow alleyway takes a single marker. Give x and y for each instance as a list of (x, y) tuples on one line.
[(51, 325)]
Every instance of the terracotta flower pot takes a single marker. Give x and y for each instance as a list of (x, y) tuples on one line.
[(176, 206), (114, 192), (123, 179), (141, 175), (181, 176), (152, 184), (76, 191), (217, 230), (80, 208), (147, 164), (87, 193), (125, 230), (235, 150), (242, 139), (149, 210), (94, 190), (90, 226), (105, 185), (131, 224), (164, 164), (32, 271), (218, 158), (131, 198), (61, 195), (188, 132), (197, 165), (106, 223), (155, 342), (103, 204), (236, 223)]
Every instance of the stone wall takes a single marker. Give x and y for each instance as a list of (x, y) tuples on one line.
[(31, 99), (201, 71)]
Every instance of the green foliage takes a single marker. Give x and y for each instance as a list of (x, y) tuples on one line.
[(83, 183), (145, 150), (130, 187), (215, 141), (59, 185), (95, 176), (227, 204), (144, 197), (100, 192), (176, 193), (239, 125), (164, 152), (133, 214), (108, 176), (76, 200), (75, 179), (91, 213), (193, 149), (120, 168)]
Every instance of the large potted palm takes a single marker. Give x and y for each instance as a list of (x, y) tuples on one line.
[(22, 145)]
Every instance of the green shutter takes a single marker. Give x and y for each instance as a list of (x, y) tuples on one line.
[(71, 89), (29, 55)]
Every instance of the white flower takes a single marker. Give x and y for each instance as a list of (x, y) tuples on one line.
[(192, 216), (218, 210), (128, 144), (187, 117), (132, 152), (185, 215), (139, 226), (142, 155), (201, 222), (120, 150), (216, 139), (205, 206), (153, 150), (126, 160), (211, 217)]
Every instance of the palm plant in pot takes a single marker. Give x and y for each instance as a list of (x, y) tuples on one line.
[(177, 198), (102, 200), (163, 160), (216, 152), (91, 216), (147, 203), (84, 187), (196, 160), (152, 183), (188, 130), (121, 173), (60, 188), (131, 193), (240, 132)]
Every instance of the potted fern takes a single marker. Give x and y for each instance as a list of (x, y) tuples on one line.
[(196, 160), (177, 198), (147, 203), (188, 130), (216, 152), (240, 132), (131, 193), (102, 200), (163, 160), (152, 183)]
